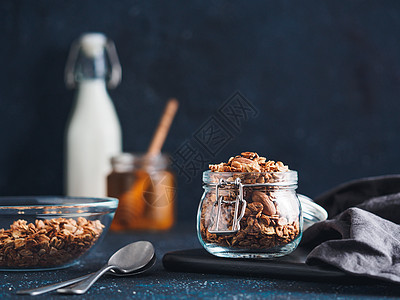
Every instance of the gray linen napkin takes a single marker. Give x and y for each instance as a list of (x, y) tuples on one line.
[(362, 236)]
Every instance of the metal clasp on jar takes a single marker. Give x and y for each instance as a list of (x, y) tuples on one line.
[(236, 218)]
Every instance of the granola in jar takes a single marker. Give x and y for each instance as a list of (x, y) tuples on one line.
[(249, 208)]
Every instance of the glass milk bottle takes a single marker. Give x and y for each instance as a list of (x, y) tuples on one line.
[(93, 133)]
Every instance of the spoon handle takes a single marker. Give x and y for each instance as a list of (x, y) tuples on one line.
[(51, 287), (82, 286)]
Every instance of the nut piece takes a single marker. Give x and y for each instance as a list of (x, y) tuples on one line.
[(269, 207), (250, 155), (241, 164), (256, 208)]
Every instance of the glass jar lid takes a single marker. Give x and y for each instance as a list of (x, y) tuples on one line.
[(312, 212)]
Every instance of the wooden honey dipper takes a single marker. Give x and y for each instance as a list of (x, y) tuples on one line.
[(132, 204)]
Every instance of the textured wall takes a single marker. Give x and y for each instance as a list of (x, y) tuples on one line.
[(323, 76)]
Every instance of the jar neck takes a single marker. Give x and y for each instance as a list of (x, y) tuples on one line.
[(282, 179), (263, 186), (130, 162)]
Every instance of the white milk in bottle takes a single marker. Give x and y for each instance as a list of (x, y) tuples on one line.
[(93, 133)]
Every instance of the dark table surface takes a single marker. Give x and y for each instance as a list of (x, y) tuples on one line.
[(161, 284)]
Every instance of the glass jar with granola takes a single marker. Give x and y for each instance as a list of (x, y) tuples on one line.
[(249, 208)]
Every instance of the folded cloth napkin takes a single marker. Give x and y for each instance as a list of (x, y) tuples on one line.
[(362, 236)]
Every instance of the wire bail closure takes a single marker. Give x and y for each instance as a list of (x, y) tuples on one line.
[(115, 74), (239, 198)]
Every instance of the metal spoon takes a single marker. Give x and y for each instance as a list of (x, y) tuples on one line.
[(54, 286), (128, 259), (145, 250)]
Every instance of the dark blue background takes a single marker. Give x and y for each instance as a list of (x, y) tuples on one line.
[(324, 76)]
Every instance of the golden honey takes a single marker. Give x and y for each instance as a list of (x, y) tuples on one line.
[(146, 190)]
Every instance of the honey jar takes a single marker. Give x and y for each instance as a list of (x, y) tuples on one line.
[(145, 187)]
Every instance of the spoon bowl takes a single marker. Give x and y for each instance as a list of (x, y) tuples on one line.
[(148, 266), (132, 257)]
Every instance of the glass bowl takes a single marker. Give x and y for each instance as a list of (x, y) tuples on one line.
[(51, 232)]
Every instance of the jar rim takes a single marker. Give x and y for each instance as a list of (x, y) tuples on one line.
[(131, 160), (282, 178)]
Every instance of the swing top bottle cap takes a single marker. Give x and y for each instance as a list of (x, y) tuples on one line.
[(93, 44)]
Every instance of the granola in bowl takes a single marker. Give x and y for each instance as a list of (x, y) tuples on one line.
[(47, 243)]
